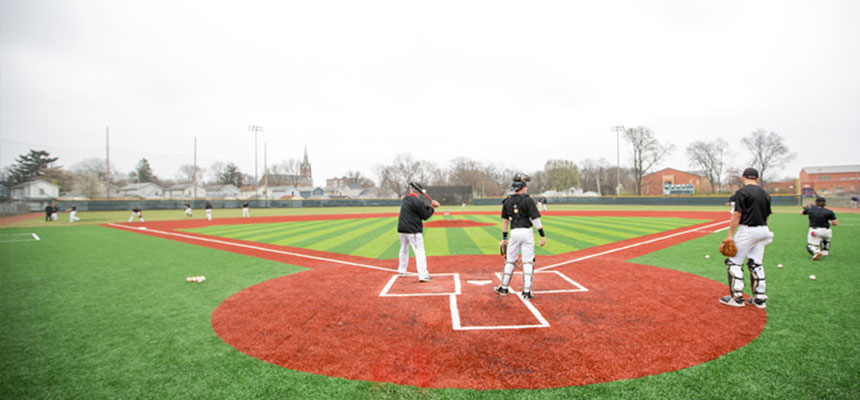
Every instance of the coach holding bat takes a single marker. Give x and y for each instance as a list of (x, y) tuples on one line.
[(410, 228)]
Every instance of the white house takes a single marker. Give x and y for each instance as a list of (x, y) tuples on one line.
[(223, 191), (35, 190), (146, 190), (184, 191)]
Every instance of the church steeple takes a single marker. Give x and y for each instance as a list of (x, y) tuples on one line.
[(306, 166)]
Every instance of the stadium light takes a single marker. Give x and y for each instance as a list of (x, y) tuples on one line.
[(618, 129), (256, 129)]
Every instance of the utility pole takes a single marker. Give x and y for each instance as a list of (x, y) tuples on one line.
[(107, 151), (194, 179), (265, 174), (256, 129), (618, 129)]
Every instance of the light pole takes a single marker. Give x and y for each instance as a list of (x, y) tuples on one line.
[(256, 129), (618, 129)]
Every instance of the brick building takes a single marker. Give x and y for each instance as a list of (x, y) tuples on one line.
[(836, 179), (652, 184)]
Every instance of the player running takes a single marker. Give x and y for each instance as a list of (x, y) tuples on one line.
[(520, 213), (748, 227), (820, 219)]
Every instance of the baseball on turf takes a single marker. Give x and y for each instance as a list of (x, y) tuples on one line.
[(707, 256), (779, 265), (812, 277)]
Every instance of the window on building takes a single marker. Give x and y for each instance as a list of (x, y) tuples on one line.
[(824, 178)]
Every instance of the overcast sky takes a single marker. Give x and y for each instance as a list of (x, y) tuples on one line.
[(513, 83)]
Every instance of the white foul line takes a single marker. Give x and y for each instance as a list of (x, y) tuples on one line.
[(287, 253), (629, 246)]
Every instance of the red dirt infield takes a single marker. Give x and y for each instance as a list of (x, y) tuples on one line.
[(595, 318)]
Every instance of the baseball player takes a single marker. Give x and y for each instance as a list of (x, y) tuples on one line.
[(820, 219), (748, 227), (187, 209), (854, 201), (208, 208), (73, 212), (55, 212), (246, 210), (520, 214), (410, 228), (136, 212), (48, 210)]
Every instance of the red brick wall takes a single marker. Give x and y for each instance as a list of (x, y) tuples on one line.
[(652, 184)]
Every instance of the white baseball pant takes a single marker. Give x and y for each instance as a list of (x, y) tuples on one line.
[(416, 240)]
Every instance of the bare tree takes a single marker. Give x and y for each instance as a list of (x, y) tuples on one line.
[(708, 156), (405, 169), (286, 172), (356, 177), (186, 174), (595, 176), (768, 150), (647, 151), (216, 170), (483, 178)]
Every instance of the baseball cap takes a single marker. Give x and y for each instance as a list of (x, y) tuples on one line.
[(750, 173)]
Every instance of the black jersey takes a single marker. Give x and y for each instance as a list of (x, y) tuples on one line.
[(412, 212), (819, 217), (520, 209), (136, 210), (753, 203), (245, 205), (208, 206)]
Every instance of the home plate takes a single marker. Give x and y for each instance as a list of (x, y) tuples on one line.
[(480, 282)]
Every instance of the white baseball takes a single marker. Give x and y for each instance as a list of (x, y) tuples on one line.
[(812, 277), (188, 279), (779, 265), (707, 256)]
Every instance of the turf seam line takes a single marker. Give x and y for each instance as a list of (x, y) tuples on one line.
[(629, 246), (288, 253)]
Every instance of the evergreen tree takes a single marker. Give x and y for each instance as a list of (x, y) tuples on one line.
[(30, 166)]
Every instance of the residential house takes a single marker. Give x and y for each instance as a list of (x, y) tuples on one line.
[(37, 189), (185, 191), (145, 190), (223, 191)]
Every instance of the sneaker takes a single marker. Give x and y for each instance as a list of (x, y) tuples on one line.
[(816, 256), (503, 291), (756, 302), (528, 296), (425, 279), (731, 301)]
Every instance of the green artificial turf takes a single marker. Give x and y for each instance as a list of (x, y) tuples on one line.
[(92, 312), (377, 237)]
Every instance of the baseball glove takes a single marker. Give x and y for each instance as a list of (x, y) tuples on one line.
[(503, 248), (728, 248)]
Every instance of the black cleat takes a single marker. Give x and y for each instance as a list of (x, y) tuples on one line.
[(502, 291), (425, 279), (756, 302), (528, 295), (731, 301)]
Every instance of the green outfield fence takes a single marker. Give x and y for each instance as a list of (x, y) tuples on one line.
[(128, 204)]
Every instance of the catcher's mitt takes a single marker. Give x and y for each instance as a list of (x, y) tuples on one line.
[(503, 248), (728, 248)]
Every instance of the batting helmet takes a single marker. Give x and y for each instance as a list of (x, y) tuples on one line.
[(417, 186)]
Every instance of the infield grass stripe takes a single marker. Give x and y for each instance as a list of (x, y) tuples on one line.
[(309, 239), (608, 226), (436, 241), (226, 230), (265, 232), (609, 234), (378, 243), (290, 230), (460, 243), (392, 251), (652, 224), (575, 238), (354, 237), (484, 241)]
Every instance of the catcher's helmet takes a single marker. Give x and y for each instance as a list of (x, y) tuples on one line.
[(417, 186), (520, 181)]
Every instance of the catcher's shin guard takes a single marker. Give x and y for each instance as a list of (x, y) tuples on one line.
[(736, 279), (825, 245), (528, 276), (811, 248), (757, 283), (506, 277)]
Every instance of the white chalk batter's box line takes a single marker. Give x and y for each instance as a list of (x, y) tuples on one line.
[(456, 323), (29, 237)]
